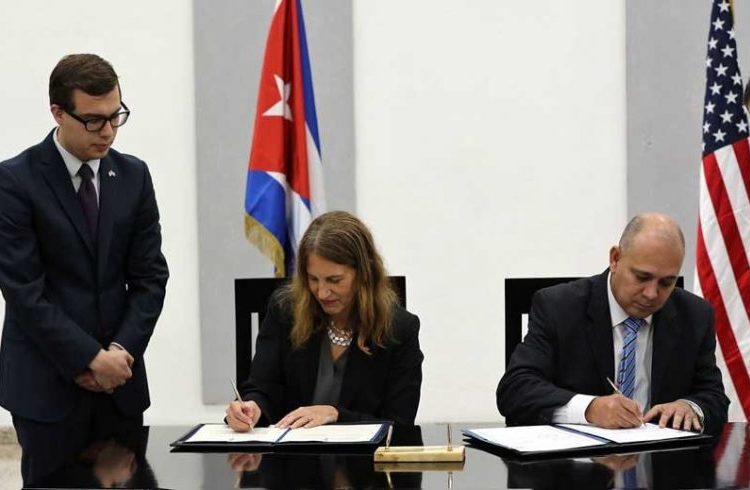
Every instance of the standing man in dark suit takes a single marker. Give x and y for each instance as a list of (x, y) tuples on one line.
[(628, 325), (81, 271)]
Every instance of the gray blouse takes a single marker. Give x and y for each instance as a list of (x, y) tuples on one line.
[(330, 375)]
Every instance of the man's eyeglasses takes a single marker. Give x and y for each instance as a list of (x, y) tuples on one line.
[(96, 124)]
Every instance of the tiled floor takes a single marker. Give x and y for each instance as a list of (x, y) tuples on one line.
[(10, 460)]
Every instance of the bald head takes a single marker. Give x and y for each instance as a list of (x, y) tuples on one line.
[(645, 265), (653, 226)]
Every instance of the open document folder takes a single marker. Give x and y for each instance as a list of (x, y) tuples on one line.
[(564, 438), (217, 435)]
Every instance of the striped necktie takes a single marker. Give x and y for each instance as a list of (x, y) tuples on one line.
[(626, 373)]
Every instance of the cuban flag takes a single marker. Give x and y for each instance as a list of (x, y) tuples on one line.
[(284, 190)]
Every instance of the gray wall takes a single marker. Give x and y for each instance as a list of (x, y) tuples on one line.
[(666, 52), (230, 38)]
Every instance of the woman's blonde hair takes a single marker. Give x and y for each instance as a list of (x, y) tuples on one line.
[(342, 238)]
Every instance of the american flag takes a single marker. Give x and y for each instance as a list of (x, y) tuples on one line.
[(730, 454), (722, 269), (284, 190)]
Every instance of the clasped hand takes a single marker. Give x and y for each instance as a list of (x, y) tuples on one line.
[(619, 412), (108, 370)]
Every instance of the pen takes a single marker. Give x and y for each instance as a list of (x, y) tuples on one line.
[(388, 437), (236, 392), (614, 386), (617, 390), (450, 438)]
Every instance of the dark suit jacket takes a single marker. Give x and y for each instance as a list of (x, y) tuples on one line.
[(382, 385), (64, 298), (569, 349)]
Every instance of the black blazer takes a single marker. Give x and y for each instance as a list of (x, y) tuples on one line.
[(384, 385), (65, 298), (569, 350)]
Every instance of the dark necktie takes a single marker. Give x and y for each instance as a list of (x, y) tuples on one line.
[(87, 197)]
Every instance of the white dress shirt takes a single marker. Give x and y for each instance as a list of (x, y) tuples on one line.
[(73, 164)]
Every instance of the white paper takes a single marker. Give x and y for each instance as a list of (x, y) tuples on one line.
[(645, 433), (224, 433), (334, 433), (534, 438)]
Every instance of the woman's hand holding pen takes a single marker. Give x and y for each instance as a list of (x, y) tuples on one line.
[(614, 412), (242, 416)]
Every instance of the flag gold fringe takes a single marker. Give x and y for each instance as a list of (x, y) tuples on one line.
[(266, 242)]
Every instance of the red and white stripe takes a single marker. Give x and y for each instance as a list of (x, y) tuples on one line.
[(723, 264), (732, 464)]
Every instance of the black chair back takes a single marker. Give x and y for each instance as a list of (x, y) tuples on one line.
[(251, 296), (518, 294)]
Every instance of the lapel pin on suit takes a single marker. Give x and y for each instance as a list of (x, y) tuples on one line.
[(111, 173)]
